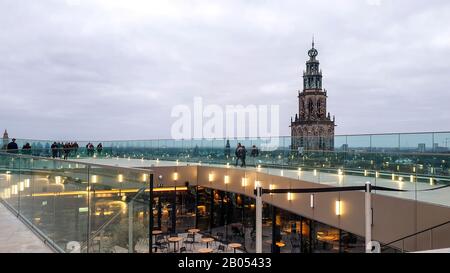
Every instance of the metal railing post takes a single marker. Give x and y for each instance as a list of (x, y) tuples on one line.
[(130, 226), (151, 224), (89, 210), (368, 217), (258, 219)]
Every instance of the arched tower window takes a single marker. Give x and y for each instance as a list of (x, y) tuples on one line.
[(319, 108), (310, 107)]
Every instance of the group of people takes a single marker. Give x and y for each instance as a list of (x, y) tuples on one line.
[(65, 150), (12, 147), (60, 149), (90, 149), (241, 154)]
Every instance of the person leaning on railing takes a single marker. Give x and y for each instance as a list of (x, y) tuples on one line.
[(12, 147), (26, 149)]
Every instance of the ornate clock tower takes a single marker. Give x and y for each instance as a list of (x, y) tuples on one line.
[(312, 129)]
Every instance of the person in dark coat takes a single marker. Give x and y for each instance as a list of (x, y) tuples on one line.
[(12, 147), (255, 151), (237, 153), (99, 149), (26, 149), (91, 149), (75, 148), (54, 148), (60, 147), (66, 149), (243, 154)]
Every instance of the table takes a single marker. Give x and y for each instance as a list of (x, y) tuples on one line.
[(207, 241), (234, 246), (194, 231), (174, 240), (154, 233), (205, 250)]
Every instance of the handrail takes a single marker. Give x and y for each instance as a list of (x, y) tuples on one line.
[(416, 233), (371, 151), (247, 137), (75, 162)]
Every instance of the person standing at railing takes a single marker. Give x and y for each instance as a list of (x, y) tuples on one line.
[(255, 151), (75, 148), (59, 149), (91, 149), (237, 153), (66, 149), (243, 154), (26, 149), (54, 148), (12, 147), (99, 149)]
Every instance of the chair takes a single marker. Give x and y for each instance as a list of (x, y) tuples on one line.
[(219, 236), (221, 248), (161, 243), (182, 249), (295, 244), (190, 240)]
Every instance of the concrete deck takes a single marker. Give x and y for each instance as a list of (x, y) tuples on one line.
[(16, 237)]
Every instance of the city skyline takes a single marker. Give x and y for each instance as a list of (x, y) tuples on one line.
[(114, 70)]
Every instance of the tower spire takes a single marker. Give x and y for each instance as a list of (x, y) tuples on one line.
[(313, 41)]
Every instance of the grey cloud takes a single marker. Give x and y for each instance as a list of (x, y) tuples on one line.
[(111, 70)]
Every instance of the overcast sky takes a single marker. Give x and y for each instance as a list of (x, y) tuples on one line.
[(108, 69)]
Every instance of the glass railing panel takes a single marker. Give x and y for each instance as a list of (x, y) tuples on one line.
[(340, 143), (68, 201), (111, 191), (10, 180), (443, 142), (360, 143), (421, 143), (385, 142)]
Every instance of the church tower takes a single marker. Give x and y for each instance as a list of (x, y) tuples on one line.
[(312, 128), (5, 140)]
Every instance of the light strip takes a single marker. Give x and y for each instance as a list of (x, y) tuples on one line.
[(226, 179), (68, 193), (338, 207)]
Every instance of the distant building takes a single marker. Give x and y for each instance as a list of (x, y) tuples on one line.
[(421, 147), (435, 147), (312, 127), (5, 140)]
